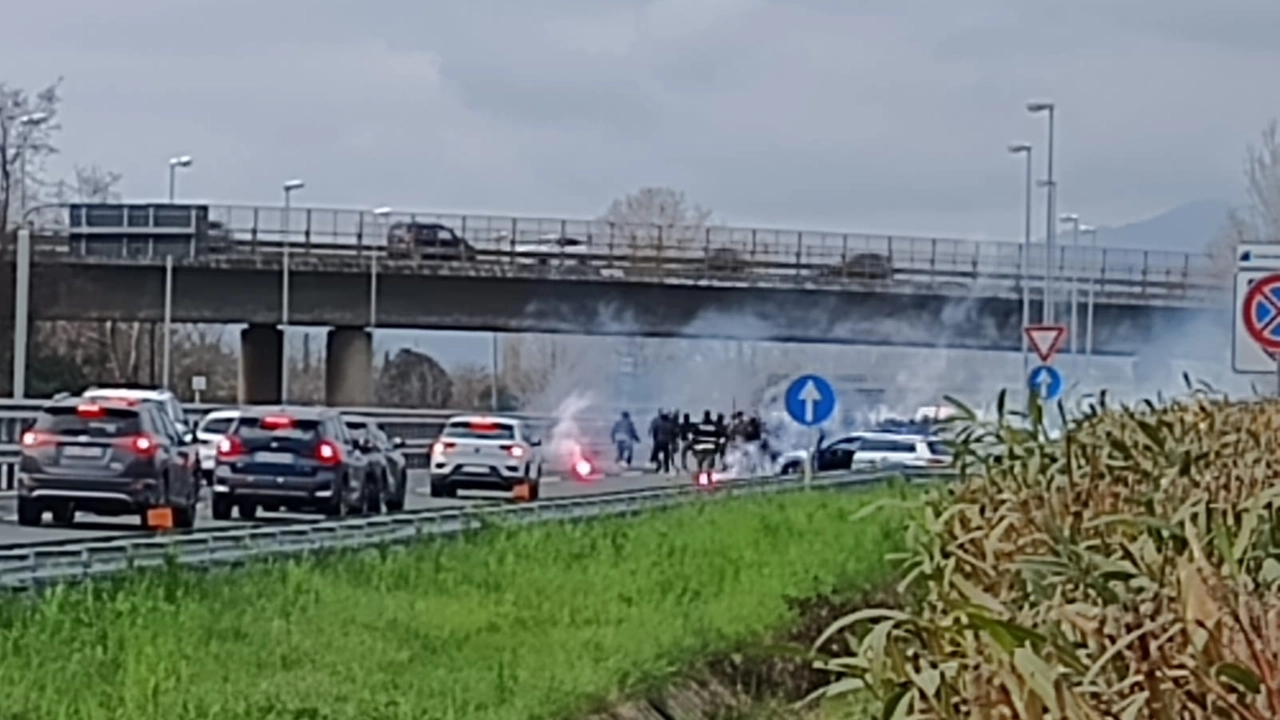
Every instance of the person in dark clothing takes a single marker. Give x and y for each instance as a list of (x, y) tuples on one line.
[(706, 442), (624, 438), (664, 436), (653, 434), (686, 441), (722, 438), (751, 431)]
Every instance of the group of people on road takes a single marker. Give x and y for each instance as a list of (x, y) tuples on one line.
[(675, 437)]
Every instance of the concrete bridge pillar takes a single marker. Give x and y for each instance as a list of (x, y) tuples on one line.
[(260, 349), (348, 369)]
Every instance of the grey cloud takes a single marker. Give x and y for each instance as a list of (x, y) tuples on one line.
[(857, 115)]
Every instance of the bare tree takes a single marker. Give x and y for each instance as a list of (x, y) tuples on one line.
[(657, 217), (88, 184), (1259, 220), (28, 126)]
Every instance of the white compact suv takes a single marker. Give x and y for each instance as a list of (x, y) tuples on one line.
[(484, 452), (209, 431)]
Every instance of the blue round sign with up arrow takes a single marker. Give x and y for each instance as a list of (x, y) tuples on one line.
[(1046, 382), (810, 400)]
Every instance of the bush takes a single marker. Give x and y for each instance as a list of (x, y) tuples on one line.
[(1127, 569)]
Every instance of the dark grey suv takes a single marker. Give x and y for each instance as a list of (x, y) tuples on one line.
[(105, 457)]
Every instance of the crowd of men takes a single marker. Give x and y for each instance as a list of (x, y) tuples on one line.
[(676, 439)]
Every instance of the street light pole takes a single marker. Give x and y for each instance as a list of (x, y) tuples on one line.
[(289, 187), (1092, 232), (182, 161), (379, 213), (1025, 149), (25, 125), (1073, 297), (1051, 187)]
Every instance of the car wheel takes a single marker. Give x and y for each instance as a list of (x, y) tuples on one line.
[(247, 511), (442, 489), (395, 503), (30, 513), (372, 496), (184, 518), (64, 514), (221, 508)]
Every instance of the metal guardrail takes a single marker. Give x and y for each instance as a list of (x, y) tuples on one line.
[(47, 564), (505, 246)]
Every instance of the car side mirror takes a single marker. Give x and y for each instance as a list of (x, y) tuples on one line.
[(189, 438), (397, 442)]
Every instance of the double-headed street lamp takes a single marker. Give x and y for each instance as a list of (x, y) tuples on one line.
[(1050, 185), (290, 186), (181, 161)]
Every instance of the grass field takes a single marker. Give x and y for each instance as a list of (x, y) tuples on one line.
[(537, 622)]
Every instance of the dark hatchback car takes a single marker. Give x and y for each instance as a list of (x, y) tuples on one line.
[(388, 464), (105, 457), (298, 459)]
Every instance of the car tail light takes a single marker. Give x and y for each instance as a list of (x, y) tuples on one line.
[(90, 410), (514, 451), (441, 447), (143, 445), (276, 422), (229, 447), (35, 439), (327, 453)]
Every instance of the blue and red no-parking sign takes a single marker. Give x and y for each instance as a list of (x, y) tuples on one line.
[(1261, 312)]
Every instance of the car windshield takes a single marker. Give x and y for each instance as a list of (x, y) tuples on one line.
[(100, 421), (358, 430), (216, 425), (937, 447), (480, 430)]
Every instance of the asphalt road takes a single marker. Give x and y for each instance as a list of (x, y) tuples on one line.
[(89, 526)]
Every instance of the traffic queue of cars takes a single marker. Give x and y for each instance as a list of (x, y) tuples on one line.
[(124, 452)]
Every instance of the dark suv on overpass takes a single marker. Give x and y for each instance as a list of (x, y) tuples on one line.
[(106, 456), (291, 458)]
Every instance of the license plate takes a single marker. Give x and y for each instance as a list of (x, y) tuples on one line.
[(275, 458), (475, 469), (81, 451)]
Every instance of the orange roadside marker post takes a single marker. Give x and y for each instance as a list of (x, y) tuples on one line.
[(522, 492), (160, 518)]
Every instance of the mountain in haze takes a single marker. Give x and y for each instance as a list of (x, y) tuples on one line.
[(1189, 227)]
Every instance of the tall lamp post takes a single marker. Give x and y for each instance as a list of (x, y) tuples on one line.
[(26, 123), (289, 187), (182, 161), (1092, 232), (1025, 149), (1051, 187), (380, 213), (1074, 272)]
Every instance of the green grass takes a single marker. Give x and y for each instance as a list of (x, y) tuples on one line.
[(537, 622)]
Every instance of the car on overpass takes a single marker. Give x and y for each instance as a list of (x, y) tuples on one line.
[(427, 241), (299, 459), (481, 452), (111, 457)]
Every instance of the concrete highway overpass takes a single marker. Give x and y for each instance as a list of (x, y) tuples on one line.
[(807, 288)]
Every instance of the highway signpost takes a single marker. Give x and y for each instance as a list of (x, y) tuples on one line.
[(1046, 382), (1255, 343), (810, 400), (1045, 340)]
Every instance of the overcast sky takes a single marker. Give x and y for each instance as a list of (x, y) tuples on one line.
[(877, 116)]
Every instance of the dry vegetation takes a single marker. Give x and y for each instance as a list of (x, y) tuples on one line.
[(1128, 570)]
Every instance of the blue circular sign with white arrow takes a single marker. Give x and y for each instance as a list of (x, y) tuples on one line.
[(810, 400), (1046, 382)]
